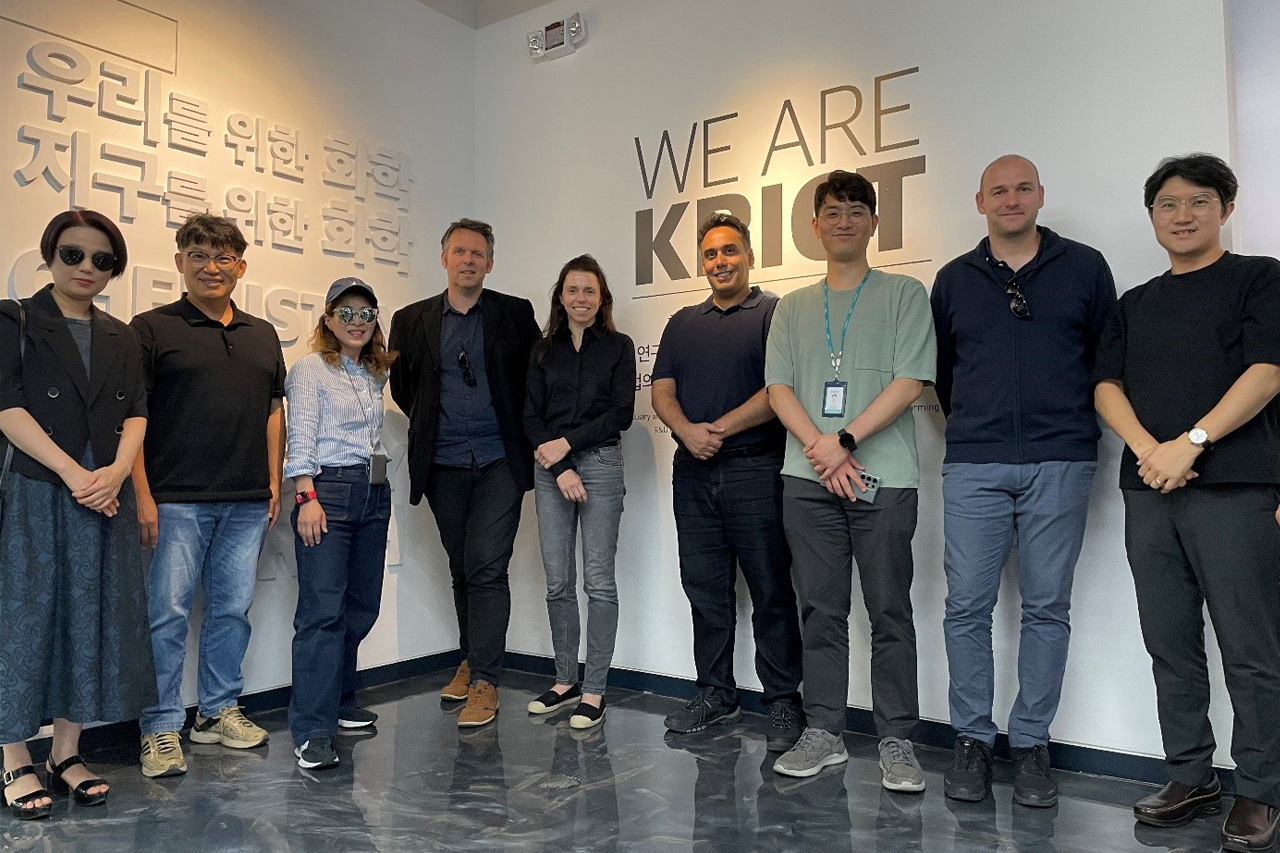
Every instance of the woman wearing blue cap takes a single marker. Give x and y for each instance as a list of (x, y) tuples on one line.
[(339, 470)]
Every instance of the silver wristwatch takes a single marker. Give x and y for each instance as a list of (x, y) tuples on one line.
[(1199, 438)]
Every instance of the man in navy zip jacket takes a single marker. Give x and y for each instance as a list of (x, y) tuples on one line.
[(1018, 320)]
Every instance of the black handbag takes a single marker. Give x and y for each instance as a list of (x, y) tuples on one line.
[(22, 349)]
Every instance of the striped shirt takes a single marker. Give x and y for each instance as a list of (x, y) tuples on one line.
[(335, 415)]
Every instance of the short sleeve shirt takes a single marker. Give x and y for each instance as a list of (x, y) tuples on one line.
[(1179, 342), (210, 391), (717, 361), (890, 337)]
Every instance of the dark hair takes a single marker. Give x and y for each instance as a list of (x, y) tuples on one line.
[(374, 355), (725, 220), (205, 229), (84, 219), (1203, 170), (484, 229), (559, 318), (847, 187)]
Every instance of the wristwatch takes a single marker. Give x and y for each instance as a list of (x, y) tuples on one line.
[(847, 441), (1199, 438), (303, 497)]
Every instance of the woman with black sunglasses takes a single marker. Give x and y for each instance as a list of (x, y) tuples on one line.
[(75, 644), (339, 470)]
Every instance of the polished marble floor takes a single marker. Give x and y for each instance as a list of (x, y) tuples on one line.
[(532, 784)]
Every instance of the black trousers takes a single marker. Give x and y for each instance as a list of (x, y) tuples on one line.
[(827, 534), (1220, 546), (478, 512), (729, 511)]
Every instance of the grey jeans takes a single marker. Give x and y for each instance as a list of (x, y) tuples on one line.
[(558, 521)]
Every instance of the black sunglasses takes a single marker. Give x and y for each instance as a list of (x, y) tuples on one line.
[(73, 255), (1017, 302), (465, 363)]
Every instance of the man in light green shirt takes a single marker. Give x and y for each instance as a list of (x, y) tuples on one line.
[(846, 358)]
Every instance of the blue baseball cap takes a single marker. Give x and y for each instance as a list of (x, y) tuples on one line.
[(342, 285)]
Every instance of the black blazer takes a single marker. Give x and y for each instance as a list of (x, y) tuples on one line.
[(71, 407), (510, 332)]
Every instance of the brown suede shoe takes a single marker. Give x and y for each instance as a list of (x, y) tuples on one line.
[(458, 688), (481, 707), (1251, 826), (1176, 804)]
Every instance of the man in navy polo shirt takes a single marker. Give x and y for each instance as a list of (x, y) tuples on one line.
[(1018, 319), (708, 387)]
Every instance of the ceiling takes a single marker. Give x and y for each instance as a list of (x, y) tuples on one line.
[(481, 13)]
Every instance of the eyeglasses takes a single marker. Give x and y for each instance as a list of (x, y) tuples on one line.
[(73, 255), (1017, 302), (833, 215), (347, 315), (465, 363), (222, 262), (1200, 204)]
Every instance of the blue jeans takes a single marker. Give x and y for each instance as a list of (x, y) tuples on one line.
[(215, 545), (339, 592), (558, 520), (985, 507)]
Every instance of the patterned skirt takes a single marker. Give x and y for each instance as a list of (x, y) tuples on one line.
[(75, 642)]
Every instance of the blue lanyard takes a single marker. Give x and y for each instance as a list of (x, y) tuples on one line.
[(837, 357)]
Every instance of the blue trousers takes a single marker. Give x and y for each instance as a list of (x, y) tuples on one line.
[(339, 593), (216, 545), (986, 507)]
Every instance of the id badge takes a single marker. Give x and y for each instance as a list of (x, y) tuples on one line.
[(377, 469), (833, 399)]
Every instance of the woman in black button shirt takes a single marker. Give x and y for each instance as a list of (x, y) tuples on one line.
[(74, 638), (581, 396)]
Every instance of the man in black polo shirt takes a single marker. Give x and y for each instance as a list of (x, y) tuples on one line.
[(460, 378), (208, 485), (708, 387), (1187, 372)]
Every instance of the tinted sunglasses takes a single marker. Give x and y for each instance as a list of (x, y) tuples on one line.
[(1017, 301), (465, 363), (347, 314), (73, 255)]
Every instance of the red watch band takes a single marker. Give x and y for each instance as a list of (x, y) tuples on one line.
[(303, 497)]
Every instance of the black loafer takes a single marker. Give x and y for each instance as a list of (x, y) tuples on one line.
[(1176, 804), (1250, 826), (587, 716), (553, 701)]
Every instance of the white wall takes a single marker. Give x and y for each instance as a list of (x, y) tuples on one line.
[(391, 72), (1083, 88)]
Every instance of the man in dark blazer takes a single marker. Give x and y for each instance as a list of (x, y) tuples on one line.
[(460, 378)]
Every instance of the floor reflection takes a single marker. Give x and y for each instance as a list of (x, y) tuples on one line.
[(534, 784)]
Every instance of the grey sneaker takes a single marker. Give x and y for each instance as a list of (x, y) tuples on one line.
[(816, 749), (899, 769)]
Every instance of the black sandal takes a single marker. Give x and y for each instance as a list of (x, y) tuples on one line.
[(81, 791), (18, 807)]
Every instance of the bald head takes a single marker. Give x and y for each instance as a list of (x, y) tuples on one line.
[(1008, 160), (1010, 196)]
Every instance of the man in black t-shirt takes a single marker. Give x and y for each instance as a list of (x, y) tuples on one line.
[(208, 486), (708, 387), (1187, 372)]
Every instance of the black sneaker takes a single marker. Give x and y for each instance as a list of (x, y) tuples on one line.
[(710, 707), (1033, 784), (316, 754), (969, 776), (786, 723), (356, 718)]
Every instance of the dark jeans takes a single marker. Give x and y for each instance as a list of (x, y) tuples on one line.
[(1218, 546), (827, 534), (478, 512), (729, 509), (339, 592)]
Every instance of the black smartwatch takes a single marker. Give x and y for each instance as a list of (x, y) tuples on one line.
[(847, 441)]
